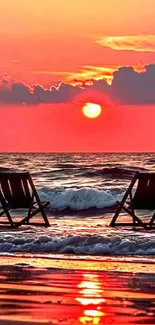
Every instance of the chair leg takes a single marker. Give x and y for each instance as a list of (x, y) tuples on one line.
[(113, 221), (152, 220), (6, 212), (120, 206), (136, 220), (29, 211), (47, 224), (33, 213), (42, 211), (131, 210)]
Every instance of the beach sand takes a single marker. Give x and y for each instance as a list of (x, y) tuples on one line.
[(55, 289)]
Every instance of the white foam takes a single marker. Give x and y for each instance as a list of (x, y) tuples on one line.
[(79, 199), (78, 245)]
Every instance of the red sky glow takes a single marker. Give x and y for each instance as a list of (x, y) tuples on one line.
[(57, 55)]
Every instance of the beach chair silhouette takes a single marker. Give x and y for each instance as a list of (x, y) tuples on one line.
[(17, 191), (143, 198)]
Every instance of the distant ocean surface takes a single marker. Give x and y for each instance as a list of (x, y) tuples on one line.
[(82, 189)]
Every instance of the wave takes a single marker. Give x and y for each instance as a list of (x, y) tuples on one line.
[(114, 172), (110, 172), (65, 165), (118, 244), (151, 161), (80, 198), (6, 169)]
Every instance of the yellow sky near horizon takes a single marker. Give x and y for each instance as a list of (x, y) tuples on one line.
[(100, 17), (41, 37)]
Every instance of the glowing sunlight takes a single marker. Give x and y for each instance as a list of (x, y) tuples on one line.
[(90, 294), (92, 110)]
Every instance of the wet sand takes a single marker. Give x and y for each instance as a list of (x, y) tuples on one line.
[(66, 290)]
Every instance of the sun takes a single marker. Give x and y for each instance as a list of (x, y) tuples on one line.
[(92, 110)]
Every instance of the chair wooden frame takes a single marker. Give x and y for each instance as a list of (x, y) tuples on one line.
[(128, 205), (17, 190)]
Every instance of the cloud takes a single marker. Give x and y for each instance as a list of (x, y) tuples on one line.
[(89, 72), (129, 86), (86, 74), (14, 92), (139, 43)]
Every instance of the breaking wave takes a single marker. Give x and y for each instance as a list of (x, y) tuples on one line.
[(80, 199), (116, 244)]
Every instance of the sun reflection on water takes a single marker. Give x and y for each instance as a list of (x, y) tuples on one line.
[(90, 295)]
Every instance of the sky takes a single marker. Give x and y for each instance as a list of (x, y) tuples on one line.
[(57, 55)]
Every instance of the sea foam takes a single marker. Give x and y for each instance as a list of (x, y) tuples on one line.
[(114, 244), (79, 199)]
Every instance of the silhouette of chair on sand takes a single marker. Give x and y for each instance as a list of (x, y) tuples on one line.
[(143, 198), (17, 191)]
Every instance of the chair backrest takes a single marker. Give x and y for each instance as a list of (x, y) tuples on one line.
[(144, 197), (15, 189)]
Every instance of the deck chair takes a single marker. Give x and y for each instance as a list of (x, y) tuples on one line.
[(143, 198), (17, 191)]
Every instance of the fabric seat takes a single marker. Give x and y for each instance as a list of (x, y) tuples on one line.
[(142, 198), (17, 190)]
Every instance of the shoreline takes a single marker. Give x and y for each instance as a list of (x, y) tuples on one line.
[(136, 264), (40, 292), (85, 212)]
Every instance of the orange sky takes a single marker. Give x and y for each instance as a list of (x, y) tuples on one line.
[(46, 42), (42, 37)]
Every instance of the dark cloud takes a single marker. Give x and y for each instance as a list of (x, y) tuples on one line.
[(16, 93), (128, 87), (131, 87)]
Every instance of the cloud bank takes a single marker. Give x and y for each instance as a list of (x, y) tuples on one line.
[(128, 87), (140, 43)]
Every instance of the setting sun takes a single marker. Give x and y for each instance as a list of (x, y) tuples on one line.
[(92, 110)]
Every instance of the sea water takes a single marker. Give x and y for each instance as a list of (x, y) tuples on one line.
[(79, 270), (82, 190)]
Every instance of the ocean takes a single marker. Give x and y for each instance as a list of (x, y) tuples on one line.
[(79, 270)]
